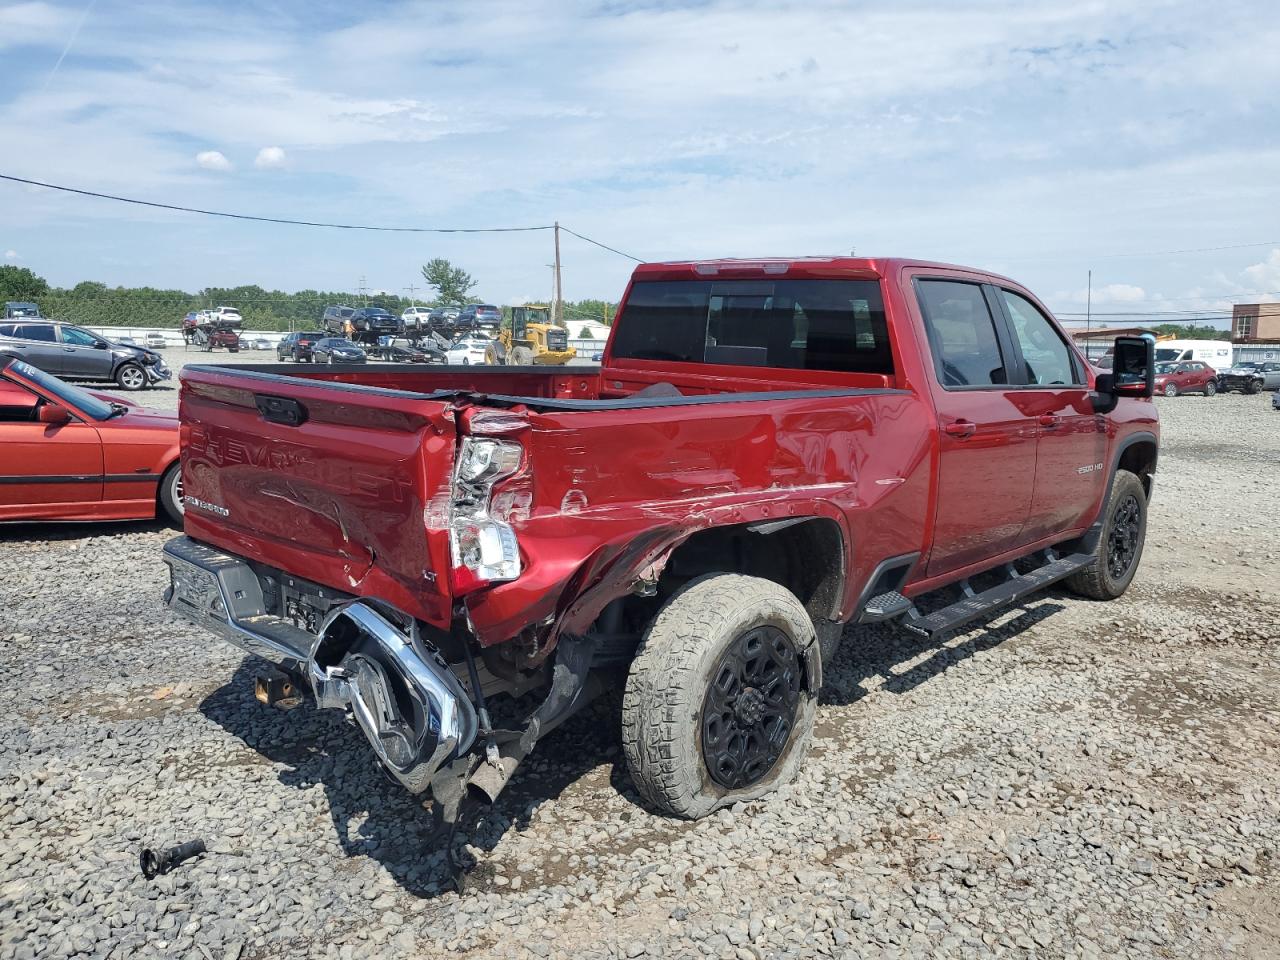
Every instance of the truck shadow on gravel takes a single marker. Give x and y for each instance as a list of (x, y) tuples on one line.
[(373, 817), (875, 652)]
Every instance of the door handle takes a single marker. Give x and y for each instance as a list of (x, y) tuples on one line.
[(68, 349), (960, 428), (1049, 420)]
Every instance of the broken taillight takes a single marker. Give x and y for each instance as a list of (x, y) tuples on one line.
[(483, 547)]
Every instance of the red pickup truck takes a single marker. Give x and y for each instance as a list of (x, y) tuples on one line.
[(770, 450)]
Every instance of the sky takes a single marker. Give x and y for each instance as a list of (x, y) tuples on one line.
[(1039, 139)]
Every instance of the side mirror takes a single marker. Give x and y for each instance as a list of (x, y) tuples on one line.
[(1133, 371), (52, 413), (100, 344)]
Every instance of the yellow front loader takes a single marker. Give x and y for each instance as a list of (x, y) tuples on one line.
[(531, 338)]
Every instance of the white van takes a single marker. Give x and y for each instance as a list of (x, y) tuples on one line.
[(1216, 353)]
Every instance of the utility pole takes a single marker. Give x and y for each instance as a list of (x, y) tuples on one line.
[(1088, 306), (412, 290), (364, 290), (557, 311)]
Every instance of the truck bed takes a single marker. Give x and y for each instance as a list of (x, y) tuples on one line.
[(357, 490)]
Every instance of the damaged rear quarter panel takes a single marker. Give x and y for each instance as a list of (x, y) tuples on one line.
[(613, 491)]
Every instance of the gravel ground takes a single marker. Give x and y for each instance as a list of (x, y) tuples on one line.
[(1070, 780)]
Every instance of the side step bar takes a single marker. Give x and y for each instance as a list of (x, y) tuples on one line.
[(1015, 587)]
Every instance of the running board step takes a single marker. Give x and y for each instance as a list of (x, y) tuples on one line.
[(1013, 589), (885, 606)]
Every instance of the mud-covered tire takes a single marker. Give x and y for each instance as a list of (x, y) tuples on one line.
[(1100, 580), (170, 493), (671, 677), (521, 356)]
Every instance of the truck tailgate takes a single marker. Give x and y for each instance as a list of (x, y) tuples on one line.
[(349, 484)]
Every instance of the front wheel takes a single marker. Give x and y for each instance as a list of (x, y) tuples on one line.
[(1170, 389), (720, 699), (131, 376), (1253, 386), (171, 493), (1124, 532)]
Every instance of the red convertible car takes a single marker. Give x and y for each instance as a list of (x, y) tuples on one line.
[(68, 454)]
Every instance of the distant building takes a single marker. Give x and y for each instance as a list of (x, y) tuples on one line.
[(1255, 321), (586, 329), (1096, 341)]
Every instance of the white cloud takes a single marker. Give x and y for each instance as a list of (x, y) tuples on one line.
[(269, 158), (1264, 277), (34, 23), (213, 160), (11, 254), (1119, 293), (989, 132)]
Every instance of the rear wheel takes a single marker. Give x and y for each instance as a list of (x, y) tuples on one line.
[(1210, 389), (1119, 549), (719, 705), (171, 493), (131, 376)]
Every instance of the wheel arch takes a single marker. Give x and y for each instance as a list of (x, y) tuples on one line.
[(1138, 453), (807, 555)]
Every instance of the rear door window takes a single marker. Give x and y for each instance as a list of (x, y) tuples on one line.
[(35, 332), (962, 334), (834, 325)]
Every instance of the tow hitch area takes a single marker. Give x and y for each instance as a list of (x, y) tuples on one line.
[(276, 689), (401, 693), (405, 699)]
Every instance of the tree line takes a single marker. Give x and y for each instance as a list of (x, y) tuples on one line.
[(97, 305)]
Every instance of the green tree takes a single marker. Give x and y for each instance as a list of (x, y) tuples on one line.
[(1191, 331), (19, 283), (452, 284)]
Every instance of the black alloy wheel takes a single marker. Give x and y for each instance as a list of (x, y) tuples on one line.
[(750, 707), (1123, 540)]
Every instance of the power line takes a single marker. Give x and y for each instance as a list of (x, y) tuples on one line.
[(296, 223), (306, 223), (603, 246)]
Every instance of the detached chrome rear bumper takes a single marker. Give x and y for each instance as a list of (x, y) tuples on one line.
[(401, 693)]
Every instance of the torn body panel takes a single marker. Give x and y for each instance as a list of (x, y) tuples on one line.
[(612, 495)]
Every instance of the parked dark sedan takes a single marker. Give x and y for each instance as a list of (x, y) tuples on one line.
[(337, 350), (297, 346)]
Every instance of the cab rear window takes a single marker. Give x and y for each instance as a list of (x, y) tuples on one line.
[(836, 325)]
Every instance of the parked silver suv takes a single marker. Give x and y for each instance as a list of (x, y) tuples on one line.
[(1250, 377), (73, 353)]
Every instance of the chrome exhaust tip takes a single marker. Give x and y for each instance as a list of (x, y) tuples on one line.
[(410, 706)]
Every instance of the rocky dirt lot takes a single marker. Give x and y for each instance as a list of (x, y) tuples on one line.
[(1073, 779)]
